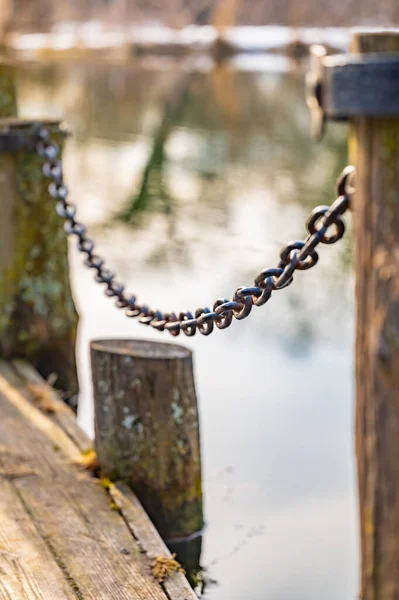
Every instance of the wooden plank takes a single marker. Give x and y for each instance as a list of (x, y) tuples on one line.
[(62, 414), (8, 380), (72, 512), (69, 509), (27, 567), (136, 518), (148, 537)]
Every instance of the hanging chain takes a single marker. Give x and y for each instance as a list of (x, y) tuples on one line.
[(325, 225)]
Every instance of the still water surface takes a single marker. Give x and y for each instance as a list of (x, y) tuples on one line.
[(191, 182)]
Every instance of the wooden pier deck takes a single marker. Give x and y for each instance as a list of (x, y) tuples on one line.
[(63, 533)]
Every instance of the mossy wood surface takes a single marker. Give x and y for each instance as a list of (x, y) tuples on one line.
[(63, 535), (375, 144), (38, 320), (147, 429)]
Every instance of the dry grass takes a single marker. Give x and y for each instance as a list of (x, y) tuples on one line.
[(42, 396), (164, 566)]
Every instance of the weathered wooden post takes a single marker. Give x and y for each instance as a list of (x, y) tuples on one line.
[(38, 320), (147, 430), (364, 88), (375, 148)]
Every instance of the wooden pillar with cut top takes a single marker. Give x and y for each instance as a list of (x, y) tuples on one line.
[(38, 319), (374, 147), (147, 429)]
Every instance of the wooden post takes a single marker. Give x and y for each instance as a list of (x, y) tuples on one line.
[(6, 10), (38, 320), (8, 97), (375, 146), (147, 430)]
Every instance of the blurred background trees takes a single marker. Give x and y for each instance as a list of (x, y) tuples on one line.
[(41, 15)]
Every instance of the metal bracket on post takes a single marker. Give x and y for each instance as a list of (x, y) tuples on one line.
[(20, 134), (343, 86)]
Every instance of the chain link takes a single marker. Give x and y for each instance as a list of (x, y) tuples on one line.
[(325, 226)]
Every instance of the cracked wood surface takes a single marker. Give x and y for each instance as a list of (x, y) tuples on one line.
[(62, 535)]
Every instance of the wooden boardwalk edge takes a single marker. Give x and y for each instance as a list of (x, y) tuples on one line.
[(62, 534)]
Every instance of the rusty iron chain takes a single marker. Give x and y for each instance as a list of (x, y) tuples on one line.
[(325, 226)]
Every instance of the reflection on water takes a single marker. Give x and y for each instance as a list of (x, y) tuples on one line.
[(191, 183)]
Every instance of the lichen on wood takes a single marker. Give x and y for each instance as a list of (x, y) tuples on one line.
[(147, 429), (38, 320)]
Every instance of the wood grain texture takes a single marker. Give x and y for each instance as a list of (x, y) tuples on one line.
[(11, 390), (376, 214), (150, 541), (66, 517), (27, 567), (147, 428), (62, 414)]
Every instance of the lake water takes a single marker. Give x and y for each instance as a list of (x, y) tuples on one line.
[(191, 181)]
